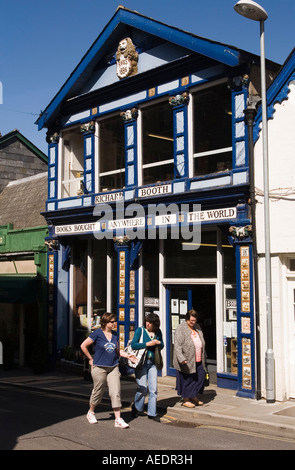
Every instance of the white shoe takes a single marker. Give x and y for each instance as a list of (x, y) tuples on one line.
[(91, 417), (120, 423)]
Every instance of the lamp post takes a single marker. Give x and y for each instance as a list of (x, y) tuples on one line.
[(253, 11)]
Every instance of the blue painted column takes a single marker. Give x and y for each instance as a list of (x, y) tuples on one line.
[(245, 318), (127, 316), (88, 133), (52, 167), (52, 260), (179, 103), (130, 125), (239, 90)]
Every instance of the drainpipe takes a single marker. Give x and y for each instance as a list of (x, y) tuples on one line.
[(250, 114)]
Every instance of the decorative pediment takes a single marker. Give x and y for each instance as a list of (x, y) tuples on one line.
[(129, 46), (126, 59)]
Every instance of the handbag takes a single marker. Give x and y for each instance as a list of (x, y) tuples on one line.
[(140, 354), (158, 358)]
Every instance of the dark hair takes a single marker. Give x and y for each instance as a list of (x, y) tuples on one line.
[(106, 318), (191, 313), (154, 319)]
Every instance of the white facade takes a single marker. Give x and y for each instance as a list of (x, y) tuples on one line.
[(281, 138)]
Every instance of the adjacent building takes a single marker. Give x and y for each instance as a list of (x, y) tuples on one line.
[(281, 121), (19, 158), (23, 270), (148, 191)]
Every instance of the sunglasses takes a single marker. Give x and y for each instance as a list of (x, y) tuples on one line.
[(112, 321)]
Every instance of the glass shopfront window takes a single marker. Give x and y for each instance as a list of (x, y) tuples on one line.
[(229, 308), (204, 283), (198, 263), (99, 280), (151, 275), (94, 272), (79, 292)]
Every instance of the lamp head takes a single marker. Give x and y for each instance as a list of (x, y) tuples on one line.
[(251, 10)]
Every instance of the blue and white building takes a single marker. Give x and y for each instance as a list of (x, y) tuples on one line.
[(148, 191)]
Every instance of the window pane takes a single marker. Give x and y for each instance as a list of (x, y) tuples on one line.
[(199, 263), (230, 330), (151, 268), (229, 262), (212, 127), (114, 181), (111, 152), (79, 293), (158, 173), (157, 142), (73, 163), (99, 280), (212, 163)]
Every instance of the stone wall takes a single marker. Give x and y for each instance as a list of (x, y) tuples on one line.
[(18, 161)]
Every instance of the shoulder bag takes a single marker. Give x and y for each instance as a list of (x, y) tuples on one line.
[(139, 353), (158, 358)]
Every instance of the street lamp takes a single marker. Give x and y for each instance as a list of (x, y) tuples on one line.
[(253, 11)]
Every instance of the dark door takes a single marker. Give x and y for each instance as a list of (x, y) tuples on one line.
[(179, 300)]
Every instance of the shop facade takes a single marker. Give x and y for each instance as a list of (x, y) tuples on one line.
[(148, 192)]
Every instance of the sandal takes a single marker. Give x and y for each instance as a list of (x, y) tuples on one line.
[(197, 402), (188, 404)]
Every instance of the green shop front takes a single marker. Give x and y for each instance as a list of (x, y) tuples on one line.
[(23, 294)]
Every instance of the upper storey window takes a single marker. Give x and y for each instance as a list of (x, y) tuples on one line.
[(111, 154), (157, 143), (73, 163), (212, 130)]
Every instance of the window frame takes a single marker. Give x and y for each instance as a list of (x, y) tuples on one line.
[(68, 131), (142, 166), (191, 136), (118, 171)]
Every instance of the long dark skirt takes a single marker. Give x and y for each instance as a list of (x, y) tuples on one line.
[(189, 385)]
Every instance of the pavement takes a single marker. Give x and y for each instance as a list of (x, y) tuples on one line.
[(221, 407)]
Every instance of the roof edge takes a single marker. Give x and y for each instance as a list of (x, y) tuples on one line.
[(25, 141), (221, 52), (277, 92)]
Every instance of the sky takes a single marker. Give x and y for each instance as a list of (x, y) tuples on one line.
[(42, 41)]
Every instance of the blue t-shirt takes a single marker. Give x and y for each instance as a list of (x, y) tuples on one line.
[(105, 351)]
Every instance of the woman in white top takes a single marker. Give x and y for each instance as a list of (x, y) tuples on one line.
[(189, 360)]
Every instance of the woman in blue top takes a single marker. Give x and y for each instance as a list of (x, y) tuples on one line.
[(146, 377), (105, 367)]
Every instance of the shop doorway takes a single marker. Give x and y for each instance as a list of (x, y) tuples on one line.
[(18, 332), (180, 299)]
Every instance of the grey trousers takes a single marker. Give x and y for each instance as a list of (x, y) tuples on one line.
[(102, 376)]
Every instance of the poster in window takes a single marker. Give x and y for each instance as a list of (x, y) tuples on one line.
[(183, 307), (174, 306)]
